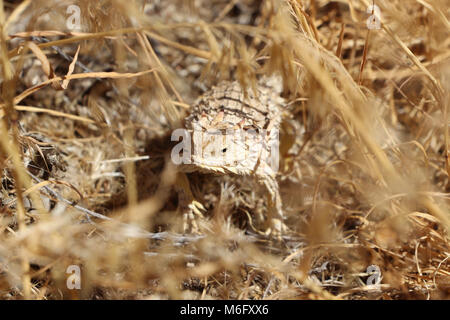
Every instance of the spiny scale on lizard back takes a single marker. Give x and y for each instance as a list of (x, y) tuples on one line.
[(231, 98), (226, 109)]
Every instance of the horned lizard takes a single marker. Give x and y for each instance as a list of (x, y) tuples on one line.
[(235, 131)]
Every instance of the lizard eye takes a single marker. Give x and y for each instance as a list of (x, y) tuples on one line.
[(224, 150)]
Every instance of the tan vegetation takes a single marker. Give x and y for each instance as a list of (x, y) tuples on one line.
[(86, 177)]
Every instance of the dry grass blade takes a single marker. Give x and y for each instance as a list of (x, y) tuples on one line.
[(102, 75), (66, 81), (46, 67)]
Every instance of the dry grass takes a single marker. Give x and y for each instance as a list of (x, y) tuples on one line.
[(86, 178)]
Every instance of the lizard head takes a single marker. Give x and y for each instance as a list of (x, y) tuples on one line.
[(233, 131), (224, 144)]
